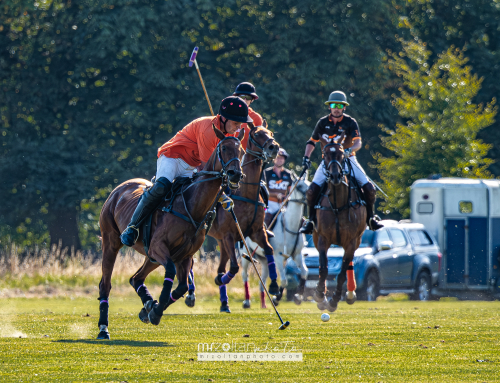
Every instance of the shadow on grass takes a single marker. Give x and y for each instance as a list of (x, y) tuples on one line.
[(132, 343)]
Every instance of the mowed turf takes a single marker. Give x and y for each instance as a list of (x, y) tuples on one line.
[(403, 341)]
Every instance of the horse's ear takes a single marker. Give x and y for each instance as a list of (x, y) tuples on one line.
[(241, 135), (340, 139), (251, 125), (264, 124), (218, 133), (323, 142)]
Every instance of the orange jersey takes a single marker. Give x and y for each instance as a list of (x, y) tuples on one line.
[(257, 121), (194, 143)]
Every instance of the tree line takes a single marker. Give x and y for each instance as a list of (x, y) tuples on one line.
[(89, 89)]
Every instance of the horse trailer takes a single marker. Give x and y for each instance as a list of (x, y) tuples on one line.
[(464, 216)]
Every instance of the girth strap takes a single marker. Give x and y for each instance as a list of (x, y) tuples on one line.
[(239, 198), (177, 214)]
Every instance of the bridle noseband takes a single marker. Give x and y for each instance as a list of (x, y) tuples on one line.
[(219, 156), (327, 167), (259, 155)]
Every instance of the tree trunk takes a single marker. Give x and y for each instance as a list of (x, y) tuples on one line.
[(63, 226)]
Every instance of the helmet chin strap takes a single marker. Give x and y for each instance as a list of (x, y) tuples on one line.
[(223, 124)]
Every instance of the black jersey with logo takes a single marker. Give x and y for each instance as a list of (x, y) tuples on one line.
[(277, 184), (326, 130)]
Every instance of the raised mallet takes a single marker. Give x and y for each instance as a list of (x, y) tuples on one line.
[(192, 61), (284, 325)]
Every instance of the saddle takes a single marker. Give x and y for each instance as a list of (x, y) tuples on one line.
[(177, 186)]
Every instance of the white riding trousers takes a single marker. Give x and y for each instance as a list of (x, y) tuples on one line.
[(171, 168), (359, 173)]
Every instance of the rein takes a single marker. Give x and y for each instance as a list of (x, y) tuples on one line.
[(350, 185), (222, 174), (260, 155)]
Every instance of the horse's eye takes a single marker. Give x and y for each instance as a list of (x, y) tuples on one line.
[(223, 148)]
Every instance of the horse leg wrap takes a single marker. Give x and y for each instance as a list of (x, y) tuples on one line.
[(223, 293), (167, 285), (142, 291), (351, 282), (192, 286), (226, 278), (263, 300), (103, 311), (302, 284), (271, 266), (247, 291)]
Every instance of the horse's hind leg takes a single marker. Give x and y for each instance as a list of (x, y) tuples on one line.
[(110, 246), (244, 275), (191, 298), (227, 252), (319, 293), (264, 275), (260, 237), (299, 296), (137, 282)]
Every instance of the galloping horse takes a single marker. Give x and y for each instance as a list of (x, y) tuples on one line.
[(288, 242), (341, 220), (177, 231), (248, 207)]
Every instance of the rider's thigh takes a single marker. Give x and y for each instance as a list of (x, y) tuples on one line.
[(184, 169), (172, 168), (359, 173), (320, 176)]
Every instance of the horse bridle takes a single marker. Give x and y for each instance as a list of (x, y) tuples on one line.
[(259, 155), (327, 167)]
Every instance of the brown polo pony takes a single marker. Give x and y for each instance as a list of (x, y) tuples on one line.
[(341, 217), (248, 207), (174, 239)]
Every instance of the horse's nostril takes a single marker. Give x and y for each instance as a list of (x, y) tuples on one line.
[(271, 147)]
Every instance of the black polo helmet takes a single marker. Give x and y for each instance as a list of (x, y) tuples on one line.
[(234, 109), (246, 88)]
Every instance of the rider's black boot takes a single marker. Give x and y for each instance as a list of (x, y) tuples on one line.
[(311, 199), (370, 194), (267, 221), (150, 200)]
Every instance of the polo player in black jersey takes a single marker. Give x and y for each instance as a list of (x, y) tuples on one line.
[(278, 181), (327, 128)]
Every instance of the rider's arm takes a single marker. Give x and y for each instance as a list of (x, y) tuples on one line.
[(309, 149), (356, 145)]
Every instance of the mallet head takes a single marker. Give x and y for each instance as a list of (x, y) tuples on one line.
[(193, 56), (284, 325)]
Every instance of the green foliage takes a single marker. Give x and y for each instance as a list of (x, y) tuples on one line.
[(442, 123)]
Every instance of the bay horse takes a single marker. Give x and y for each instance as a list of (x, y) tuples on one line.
[(249, 209), (177, 232), (287, 243), (341, 217)]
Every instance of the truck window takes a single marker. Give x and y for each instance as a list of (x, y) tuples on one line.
[(420, 238), (382, 236), (398, 238)]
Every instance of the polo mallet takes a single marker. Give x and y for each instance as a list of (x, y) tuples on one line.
[(284, 325), (193, 60), (287, 198)]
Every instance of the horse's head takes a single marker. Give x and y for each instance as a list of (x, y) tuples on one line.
[(228, 157), (261, 142), (333, 154)]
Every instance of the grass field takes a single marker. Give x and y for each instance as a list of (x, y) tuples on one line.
[(53, 339)]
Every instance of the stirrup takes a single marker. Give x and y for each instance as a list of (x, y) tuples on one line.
[(125, 236), (307, 227)]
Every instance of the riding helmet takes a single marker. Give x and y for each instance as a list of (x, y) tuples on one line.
[(234, 109), (246, 88), (282, 152), (337, 97)]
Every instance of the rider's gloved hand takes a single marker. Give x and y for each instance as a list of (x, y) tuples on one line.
[(226, 202), (348, 152), (306, 163)]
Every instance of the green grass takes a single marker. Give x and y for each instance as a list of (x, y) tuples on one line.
[(53, 339)]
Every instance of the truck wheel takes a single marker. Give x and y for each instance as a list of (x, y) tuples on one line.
[(372, 286), (422, 287)]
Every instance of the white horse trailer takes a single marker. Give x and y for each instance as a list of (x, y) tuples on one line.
[(464, 216)]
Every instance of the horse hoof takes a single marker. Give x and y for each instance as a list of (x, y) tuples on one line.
[(274, 289), (276, 302), (322, 304), (218, 279), (297, 299), (331, 305), (350, 297), (224, 308), (103, 333), (246, 304), (317, 296), (190, 300), (280, 295), (143, 315), (153, 316)]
